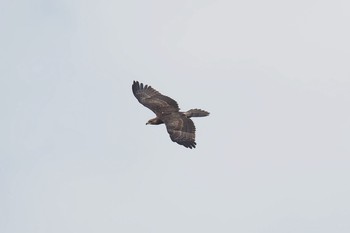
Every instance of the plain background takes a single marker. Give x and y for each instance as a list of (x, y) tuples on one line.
[(76, 155)]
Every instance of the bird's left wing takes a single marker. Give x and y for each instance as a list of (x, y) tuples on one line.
[(181, 129)]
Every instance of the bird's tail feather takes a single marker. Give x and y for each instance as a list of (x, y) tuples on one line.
[(196, 113)]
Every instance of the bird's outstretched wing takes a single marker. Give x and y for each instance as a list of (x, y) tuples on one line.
[(153, 100), (181, 129)]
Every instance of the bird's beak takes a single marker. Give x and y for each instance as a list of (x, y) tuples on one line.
[(147, 123)]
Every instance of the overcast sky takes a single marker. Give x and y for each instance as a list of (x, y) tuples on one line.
[(272, 157)]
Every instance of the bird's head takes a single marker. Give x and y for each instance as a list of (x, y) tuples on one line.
[(154, 121)]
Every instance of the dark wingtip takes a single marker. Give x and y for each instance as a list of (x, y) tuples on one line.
[(138, 86), (189, 144), (135, 86)]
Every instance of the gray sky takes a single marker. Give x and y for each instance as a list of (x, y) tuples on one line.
[(273, 156)]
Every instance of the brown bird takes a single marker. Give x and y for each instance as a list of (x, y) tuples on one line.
[(178, 124)]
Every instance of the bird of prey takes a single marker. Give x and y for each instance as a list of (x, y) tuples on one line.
[(178, 124)]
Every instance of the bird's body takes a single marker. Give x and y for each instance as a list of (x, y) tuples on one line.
[(178, 124)]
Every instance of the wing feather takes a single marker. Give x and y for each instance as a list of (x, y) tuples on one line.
[(153, 100), (181, 129)]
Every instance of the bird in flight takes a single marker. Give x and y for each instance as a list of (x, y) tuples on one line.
[(180, 127)]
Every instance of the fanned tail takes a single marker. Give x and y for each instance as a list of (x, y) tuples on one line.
[(196, 113)]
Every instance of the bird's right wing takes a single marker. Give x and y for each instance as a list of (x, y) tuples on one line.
[(153, 100)]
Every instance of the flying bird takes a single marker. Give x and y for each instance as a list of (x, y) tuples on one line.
[(180, 127)]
